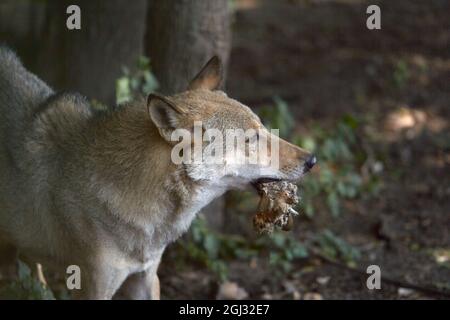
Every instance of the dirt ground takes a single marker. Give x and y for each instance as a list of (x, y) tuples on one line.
[(320, 57)]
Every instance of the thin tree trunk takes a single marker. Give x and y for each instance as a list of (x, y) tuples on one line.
[(182, 36)]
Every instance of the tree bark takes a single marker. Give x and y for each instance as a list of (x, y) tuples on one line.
[(91, 59), (181, 37), (21, 23)]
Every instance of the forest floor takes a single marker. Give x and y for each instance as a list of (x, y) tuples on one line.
[(320, 58)]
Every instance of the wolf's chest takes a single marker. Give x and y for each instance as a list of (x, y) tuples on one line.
[(201, 198)]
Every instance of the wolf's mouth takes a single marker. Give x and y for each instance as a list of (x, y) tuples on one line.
[(256, 183), (265, 180)]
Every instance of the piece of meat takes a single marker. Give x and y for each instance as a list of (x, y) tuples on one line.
[(275, 207)]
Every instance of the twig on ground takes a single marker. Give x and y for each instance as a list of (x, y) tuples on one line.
[(40, 274), (392, 281)]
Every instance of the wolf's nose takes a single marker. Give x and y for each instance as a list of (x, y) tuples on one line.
[(310, 162)]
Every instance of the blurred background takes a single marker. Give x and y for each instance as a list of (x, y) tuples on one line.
[(374, 106)]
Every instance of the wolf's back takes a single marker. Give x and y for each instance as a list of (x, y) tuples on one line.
[(21, 92)]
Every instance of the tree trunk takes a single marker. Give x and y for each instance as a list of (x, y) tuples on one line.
[(21, 25), (181, 37), (91, 59)]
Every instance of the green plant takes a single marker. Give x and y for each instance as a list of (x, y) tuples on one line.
[(341, 159), (212, 249), (401, 74), (133, 83), (26, 287), (334, 248), (283, 250), (278, 116)]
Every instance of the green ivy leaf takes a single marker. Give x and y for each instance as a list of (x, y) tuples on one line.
[(333, 203)]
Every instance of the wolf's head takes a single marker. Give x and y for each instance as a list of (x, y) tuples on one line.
[(218, 139)]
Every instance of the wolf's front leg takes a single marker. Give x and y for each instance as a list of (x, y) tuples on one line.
[(141, 285), (99, 282)]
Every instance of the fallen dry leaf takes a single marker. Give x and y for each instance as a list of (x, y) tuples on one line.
[(312, 296)]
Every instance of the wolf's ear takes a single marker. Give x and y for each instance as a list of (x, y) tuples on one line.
[(164, 114), (209, 77)]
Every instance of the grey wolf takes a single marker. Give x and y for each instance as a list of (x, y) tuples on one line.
[(99, 189)]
